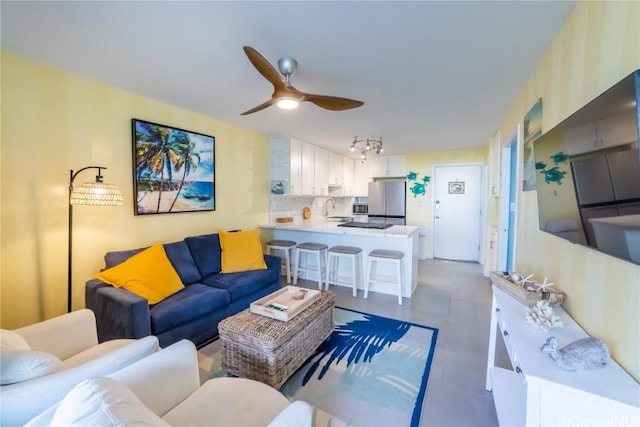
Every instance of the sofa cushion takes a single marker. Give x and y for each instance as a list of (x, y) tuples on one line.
[(177, 252), (181, 259), (193, 301), (102, 402), (241, 251), (206, 253), (148, 274), (242, 284), (17, 366)]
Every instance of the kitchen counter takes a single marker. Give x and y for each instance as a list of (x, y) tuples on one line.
[(399, 237), (320, 226)]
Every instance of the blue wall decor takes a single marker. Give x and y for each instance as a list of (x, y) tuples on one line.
[(418, 188), (553, 174), (559, 157)]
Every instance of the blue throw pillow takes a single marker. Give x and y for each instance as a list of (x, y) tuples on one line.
[(182, 261), (206, 253)]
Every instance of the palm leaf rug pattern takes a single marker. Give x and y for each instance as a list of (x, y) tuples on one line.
[(372, 371)]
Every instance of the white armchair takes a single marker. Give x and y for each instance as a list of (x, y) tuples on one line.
[(41, 363), (164, 389)]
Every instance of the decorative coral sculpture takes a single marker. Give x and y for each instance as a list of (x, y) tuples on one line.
[(542, 315)]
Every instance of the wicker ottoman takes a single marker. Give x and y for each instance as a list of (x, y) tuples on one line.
[(269, 350)]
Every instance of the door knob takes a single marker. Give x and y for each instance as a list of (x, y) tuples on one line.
[(437, 217)]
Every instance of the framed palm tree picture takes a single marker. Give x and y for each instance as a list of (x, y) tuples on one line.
[(173, 169)]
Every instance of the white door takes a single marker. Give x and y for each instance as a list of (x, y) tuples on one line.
[(457, 212)]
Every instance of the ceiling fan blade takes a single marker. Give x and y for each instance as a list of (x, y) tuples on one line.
[(333, 103), (263, 67), (260, 107)]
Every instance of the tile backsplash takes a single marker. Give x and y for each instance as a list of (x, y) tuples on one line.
[(285, 206)]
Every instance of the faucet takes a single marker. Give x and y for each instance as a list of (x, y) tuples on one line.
[(326, 206)]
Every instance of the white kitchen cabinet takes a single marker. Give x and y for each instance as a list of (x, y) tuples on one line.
[(597, 135), (336, 169), (361, 179), (348, 176), (307, 167), (540, 393), (285, 165), (618, 130), (387, 166), (321, 172)]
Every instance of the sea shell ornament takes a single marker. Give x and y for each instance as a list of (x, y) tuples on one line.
[(587, 353), (542, 315)]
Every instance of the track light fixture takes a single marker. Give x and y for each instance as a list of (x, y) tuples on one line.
[(370, 144)]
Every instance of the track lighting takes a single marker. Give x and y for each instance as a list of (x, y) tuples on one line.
[(370, 144)]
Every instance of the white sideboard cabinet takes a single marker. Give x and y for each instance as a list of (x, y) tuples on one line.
[(538, 392)]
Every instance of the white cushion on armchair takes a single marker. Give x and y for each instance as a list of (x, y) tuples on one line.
[(167, 384), (73, 339)]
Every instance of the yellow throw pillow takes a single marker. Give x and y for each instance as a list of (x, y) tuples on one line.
[(241, 251), (148, 273)]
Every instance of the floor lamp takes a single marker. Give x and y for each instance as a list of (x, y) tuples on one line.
[(95, 193)]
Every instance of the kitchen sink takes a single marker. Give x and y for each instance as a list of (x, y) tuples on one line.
[(374, 225), (339, 218)]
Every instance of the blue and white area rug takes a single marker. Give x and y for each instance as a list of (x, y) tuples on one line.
[(372, 371)]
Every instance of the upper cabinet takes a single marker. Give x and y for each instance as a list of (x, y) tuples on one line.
[(321, 172), (348, 176), (336, 170), (302, 169), (284, 158), (604, 133), (387, 166), (307, 167), (361, 179)]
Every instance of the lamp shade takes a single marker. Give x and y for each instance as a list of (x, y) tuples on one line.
[(96, 194)]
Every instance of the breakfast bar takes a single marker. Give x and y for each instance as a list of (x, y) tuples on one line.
[(397, 237)]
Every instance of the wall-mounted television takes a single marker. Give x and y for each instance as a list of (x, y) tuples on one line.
[(588, 173)]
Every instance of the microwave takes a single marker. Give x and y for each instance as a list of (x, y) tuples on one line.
[(360, 208)]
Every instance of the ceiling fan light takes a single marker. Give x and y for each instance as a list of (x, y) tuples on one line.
[(287, 103)]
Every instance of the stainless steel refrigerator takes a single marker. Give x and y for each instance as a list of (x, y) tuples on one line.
[(607, 185), (387, 201)]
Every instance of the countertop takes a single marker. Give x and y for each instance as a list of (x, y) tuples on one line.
[(321, 226)]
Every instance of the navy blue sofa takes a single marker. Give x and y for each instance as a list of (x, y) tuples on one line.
[(192, 313)]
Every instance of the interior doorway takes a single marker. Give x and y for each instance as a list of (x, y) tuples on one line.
[(458, 192), (509, 203)]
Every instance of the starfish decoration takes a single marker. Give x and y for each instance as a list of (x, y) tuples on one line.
[(543, 286)]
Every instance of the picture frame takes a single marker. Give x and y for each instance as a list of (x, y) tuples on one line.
[(456, 187), (173, 169), (532, 130)]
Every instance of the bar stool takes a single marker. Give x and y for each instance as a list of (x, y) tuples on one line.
[(308, 248), (383, 255), (288, 246), (333, 266)]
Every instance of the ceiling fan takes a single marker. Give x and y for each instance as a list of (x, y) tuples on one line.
[(287, 96)]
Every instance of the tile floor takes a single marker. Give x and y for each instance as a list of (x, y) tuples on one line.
[(455, 298)]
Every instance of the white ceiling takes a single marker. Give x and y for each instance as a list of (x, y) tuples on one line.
[(431, 74)]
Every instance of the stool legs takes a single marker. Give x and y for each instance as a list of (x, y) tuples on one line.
[(398, 278), (280, 245), (321, 258), (333, 267)]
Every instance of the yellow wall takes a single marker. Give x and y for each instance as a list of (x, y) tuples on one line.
[(598, 46), (53, 122)]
